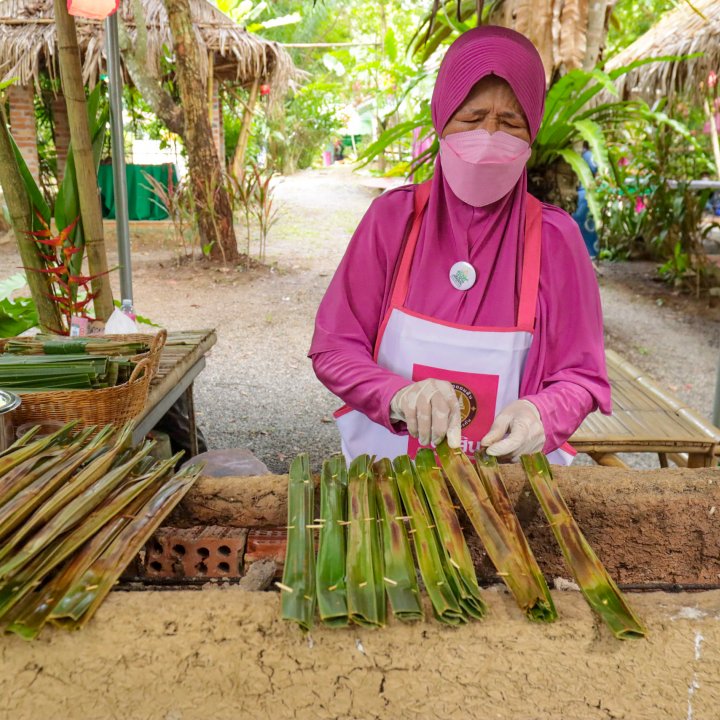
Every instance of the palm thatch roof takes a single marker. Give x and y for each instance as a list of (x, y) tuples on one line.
[(681, 31), (28, 43)]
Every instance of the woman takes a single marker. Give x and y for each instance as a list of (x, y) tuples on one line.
[(464, 308)]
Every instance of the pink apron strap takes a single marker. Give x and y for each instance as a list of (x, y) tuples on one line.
[(530, 281), (402, 280)]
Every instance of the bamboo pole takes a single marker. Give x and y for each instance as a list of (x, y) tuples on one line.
[(20, 210), (88, 193), (239, 157)]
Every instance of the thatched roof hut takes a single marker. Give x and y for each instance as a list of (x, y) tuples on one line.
[(681, 31), (28, 46)]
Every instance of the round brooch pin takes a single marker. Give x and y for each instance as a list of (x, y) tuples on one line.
[(462, 275)]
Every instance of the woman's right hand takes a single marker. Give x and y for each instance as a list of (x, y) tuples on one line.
[(431, 411)]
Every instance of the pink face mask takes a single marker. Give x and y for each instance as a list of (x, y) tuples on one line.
[(481, 167)]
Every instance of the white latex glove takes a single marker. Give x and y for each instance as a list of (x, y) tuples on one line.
[(431, 410), (521, 419)]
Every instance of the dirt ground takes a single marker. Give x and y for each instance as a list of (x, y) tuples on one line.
[(259, 390), (224, 654)]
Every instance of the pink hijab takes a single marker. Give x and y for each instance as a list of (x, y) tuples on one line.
[(491, 238)]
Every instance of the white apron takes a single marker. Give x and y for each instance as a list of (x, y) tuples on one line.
[(485, 365)]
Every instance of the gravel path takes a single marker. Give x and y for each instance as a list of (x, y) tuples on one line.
[(259, 390)]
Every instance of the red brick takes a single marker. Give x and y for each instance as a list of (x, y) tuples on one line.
[(22, 123), (266, 545), (197, 552)]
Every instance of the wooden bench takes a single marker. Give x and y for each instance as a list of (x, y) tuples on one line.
[(646, 419)]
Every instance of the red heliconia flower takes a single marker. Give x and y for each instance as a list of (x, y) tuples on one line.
[(265, 89), (640, 204)]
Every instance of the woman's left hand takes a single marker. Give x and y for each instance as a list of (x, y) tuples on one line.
[(520, 421)]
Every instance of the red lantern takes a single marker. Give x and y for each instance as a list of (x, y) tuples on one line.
[(94, 9), (264, 89)]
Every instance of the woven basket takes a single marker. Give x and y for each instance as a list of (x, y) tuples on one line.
[(115, 405), (156, 342)]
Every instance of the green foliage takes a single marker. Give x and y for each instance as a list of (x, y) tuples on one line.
[(254, 194), (62, 252), (19, 314), (648, 207), (370, 76), (308, 123), (442, 23)]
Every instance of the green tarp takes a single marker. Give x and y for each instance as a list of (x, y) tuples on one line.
[(142, 202)]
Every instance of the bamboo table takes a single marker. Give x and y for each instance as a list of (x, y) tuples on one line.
[(645, 419), (182, 360)]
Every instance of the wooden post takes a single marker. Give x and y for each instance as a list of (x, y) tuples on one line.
[(238, 163), (210, 85), (18, 204), (88, 193), (713, 135)]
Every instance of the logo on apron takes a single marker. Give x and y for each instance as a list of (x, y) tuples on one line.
[(468, 404)]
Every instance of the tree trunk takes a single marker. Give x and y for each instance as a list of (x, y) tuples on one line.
[(88, 193), (212, 203), (598, 20), (20, 210), (135, 57)]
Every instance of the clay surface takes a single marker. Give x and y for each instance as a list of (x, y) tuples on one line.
[(225, 655), (253, 501), (646, 526)]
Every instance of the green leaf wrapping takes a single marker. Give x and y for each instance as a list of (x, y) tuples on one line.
[(298, 585), (498, 541), (446, 606), (330, 571), (489, 471), (459, 566), (597, 586), (399, 569), (365, 590)]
